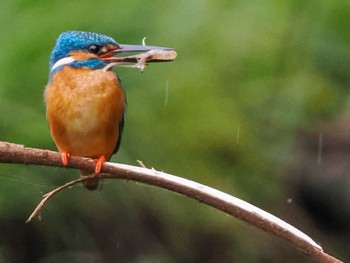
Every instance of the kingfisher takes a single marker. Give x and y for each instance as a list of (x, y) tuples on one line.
[(84, 98)]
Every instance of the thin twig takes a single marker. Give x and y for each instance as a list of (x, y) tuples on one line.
[(14, 153), (48, 195), (141, 164)]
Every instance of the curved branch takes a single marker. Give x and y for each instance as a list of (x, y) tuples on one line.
[(14, 153), (47, 196)]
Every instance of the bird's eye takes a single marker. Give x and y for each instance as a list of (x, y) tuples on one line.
[(94, 49)]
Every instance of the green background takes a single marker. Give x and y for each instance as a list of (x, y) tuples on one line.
[(248, 108)]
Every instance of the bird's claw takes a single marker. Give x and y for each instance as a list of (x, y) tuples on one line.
[(65, 158), (99, 164)]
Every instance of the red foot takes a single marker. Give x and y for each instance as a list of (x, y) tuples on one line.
[(99, 164), (65, 158)]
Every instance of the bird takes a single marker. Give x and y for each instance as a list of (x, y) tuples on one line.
[(85, 101)]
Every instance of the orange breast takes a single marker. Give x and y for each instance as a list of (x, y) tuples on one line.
[(84, 109)]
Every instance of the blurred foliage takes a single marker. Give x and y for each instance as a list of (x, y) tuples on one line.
[(249, 75)]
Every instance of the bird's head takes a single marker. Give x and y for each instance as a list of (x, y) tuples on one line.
[(90, 50)]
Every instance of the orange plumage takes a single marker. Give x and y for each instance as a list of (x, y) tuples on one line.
[(85, 111)]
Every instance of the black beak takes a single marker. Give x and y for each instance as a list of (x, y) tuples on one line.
[(138, 48), (146, 54)]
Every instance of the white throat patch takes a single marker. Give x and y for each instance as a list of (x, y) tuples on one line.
[(61, 62)]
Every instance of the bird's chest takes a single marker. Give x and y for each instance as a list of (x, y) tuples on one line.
[(84, 97), (84, 105)]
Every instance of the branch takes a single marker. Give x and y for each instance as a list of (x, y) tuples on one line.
[(14, 153), (47, 196)]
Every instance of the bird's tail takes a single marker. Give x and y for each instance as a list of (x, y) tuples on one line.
[(91, 184)]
